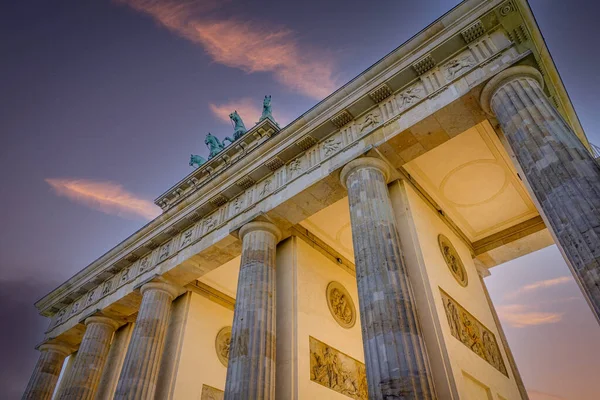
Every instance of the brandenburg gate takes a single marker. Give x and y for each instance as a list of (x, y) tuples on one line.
[(344, 255)]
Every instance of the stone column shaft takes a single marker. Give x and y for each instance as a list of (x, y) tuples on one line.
[(560, 172), (45, 374), (251, 368), (140, 369), (89, 363), (396, 360), (114, 362)]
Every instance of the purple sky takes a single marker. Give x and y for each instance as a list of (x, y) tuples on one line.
[(103, 101)]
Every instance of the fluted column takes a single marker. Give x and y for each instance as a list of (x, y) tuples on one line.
[(140, 368), (91, 356), (251, 368), (560, 172), (114, 362), (396, 359), (45, 374)]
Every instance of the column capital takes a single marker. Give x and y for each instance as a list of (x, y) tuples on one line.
[(168, 288), (56, 347), (509, 74), (260, 226), (364, 162), (100, 319)]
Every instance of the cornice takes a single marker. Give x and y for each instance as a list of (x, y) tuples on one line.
[(202, 206)]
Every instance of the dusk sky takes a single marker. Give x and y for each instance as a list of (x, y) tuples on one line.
[(102, 102)]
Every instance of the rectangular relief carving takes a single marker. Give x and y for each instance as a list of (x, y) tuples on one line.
[(211, 393), (472, 333), (337, 371)]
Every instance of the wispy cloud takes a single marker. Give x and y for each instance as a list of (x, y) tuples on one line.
[(521, 316), (108, 197), (246, 45), (539, 285)]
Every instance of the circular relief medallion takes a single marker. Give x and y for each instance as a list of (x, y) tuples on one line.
[(341, 305), (453, 261), (222, 343)]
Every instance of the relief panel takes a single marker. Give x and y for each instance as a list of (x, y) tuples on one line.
[(211, 393), (341, 305), (472, 333), (337, 371)]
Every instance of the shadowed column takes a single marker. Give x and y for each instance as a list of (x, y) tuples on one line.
[(45, 375), (140, 369), (560, 172), (251, 368), (90, 360), (114, 362), (395, 355)]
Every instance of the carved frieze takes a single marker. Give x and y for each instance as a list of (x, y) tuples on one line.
[(222, 345), (337, 371), (296, 167), (186, 237), (331, 146), (453, 261), (164, 252), (472, 333), (410, 96), (459, 65), (371, 120), (340, 304), (211, 393)]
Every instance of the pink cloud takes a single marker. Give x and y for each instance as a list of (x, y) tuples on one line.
[(108, 197), (246, 45), (521, 316), (539, 285)]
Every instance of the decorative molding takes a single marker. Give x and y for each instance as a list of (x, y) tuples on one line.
[(306, 142), (218, 200), (424, 64), (274, 163), (245, 183), (518, 35), (341, 118), (381, 93), (506, 8), (473, 31), (472, 333)]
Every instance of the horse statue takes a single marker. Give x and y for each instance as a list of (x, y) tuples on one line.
[(214, 145), (197, 160), (238, 127), (267, 111)]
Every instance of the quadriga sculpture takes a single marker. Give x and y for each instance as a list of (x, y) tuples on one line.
[(238, 127), (214, 145), (267, 111), (196, 160)]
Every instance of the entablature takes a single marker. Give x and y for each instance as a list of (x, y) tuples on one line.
[(470, 44)]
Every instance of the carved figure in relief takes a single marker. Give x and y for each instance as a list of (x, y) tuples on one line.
[(164, 252), (267, 111), (238, 127), (331, 146), (410, 96), (60, 316), (106, 288), (187, 238), (472, 333), (456, 66), (340, 306), (196, 160), (337, 371), (223, 344), (125, 275), (237, 204), (144, 264), (210, 223), (90, 296), (211, 393), (296, 166), (453, 260), (370, 120), (214, 145), (266, 188)]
